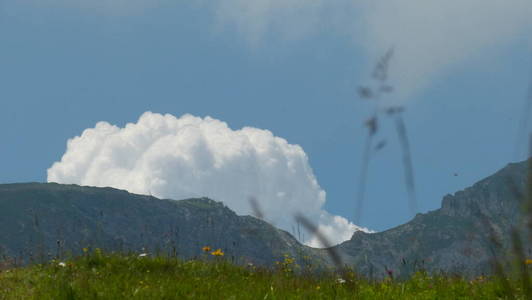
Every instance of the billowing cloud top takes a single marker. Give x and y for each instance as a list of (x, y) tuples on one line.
[(184, 157)]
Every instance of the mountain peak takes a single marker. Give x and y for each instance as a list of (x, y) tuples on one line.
[(454, 238)]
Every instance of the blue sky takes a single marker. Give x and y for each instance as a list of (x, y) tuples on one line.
[(64, 66)]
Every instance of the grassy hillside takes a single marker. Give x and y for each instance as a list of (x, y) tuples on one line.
[(109, 276)]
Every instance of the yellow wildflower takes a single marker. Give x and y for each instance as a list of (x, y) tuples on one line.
[(528, 261), (218, 252), (288, 261)]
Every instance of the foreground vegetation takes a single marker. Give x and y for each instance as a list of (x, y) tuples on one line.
[(114, 276)]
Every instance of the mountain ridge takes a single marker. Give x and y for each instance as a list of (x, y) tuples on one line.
[(111, 219), (49, 219), (452, 239)]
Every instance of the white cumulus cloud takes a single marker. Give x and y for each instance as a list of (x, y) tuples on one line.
[(185, 157)]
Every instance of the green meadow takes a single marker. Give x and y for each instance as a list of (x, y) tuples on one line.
[(99, 275)]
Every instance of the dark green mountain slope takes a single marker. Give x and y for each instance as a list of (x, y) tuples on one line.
[(39, 219)]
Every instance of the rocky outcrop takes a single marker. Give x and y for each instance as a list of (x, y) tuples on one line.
[(457, 238)]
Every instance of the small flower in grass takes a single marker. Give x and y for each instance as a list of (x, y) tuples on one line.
[(288, 261), (62, 264), (479, 279), (218, 252), (340, 280), (206, 249), (390, 274), (528, 261), (143, 254)]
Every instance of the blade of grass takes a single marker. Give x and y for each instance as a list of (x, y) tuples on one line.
[(255, 208), (525, 119), (522, 267), (495, 246), (361, 189), (528, 191), (407, 162), (313, 229)]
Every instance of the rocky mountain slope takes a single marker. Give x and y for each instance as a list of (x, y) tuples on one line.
[(40, 221), (457, 238)]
